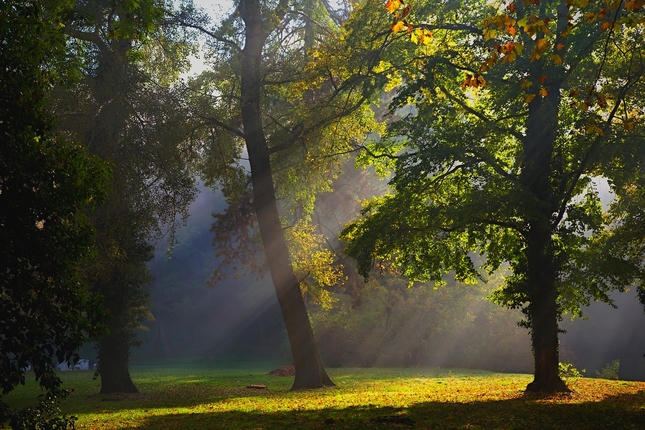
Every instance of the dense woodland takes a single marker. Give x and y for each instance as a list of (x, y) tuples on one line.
[(395, 184)]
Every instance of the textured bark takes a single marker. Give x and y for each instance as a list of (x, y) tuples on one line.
[(310, 372), (543, 314), (538, 168)]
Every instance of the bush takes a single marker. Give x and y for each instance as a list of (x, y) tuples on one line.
[(610, 371), (568, 370)]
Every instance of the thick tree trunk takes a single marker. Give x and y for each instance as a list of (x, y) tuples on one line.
[(114, 362), (310, 372), (538, 168), (543, 314)]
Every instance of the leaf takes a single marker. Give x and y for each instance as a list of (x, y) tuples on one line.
[(544, 92), (559, 46), (542, 79), (526, 84), (393, 5), (489, 33), (529, 98), (556, 59), (605, 25), (590, 17), (629, 125), (542, 44), (594, 129), (397, 26)]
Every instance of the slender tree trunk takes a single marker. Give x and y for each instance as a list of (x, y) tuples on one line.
[(310, 372)]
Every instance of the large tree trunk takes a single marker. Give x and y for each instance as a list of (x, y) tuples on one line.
[(310, 372), (543, 313), (538, 168), (114, 360)]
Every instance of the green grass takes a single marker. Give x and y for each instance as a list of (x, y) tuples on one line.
[(209, 397)]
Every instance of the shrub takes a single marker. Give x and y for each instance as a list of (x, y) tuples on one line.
[(610, 371), (568, 370)]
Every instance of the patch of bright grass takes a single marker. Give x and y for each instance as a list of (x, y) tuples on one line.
[(210, 397)]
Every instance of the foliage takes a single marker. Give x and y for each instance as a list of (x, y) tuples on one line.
[(568, 370), (47, 415), (394, 325), (610, 371), (511, 114), (128, 109), (197, 396), (47, 182)]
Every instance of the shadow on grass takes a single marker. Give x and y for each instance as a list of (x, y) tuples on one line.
[(625, 411)]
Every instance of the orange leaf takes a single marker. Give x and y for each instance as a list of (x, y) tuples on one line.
[(629, 125), (544, 92), (397, 26), (542, 44), (511, 7), (542, 79), (559, 46), (605, 25), (393, 5)]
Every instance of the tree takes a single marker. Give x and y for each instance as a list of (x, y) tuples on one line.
[(518, 110), (46, 183), (126, 109), (264, 94)]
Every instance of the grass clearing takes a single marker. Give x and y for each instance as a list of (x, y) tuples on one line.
[(209, 397)]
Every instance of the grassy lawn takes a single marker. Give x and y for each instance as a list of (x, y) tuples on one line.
[(201, 396)]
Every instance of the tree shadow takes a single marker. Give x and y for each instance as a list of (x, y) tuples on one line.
[(624, 411)]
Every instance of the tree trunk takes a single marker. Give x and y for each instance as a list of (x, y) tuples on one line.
[(543, 315), (538, 168), (114, 362), (310, 372)]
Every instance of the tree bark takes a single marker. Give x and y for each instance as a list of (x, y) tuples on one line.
[(538, 168), (114, 360), (310, 372), (543, 314)]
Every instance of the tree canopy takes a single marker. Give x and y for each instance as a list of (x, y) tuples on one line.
[(47, 182), (513, 112)]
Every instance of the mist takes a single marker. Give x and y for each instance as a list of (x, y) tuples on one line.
[(381, 323)]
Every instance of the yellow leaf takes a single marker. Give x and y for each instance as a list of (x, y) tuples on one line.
[(397, 26), (529, 98), (526, 84), (523, 22), (556, 59), (594, 129), (489, 33), (393, 5)]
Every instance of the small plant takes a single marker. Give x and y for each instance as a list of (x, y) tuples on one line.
[(610, 371), (568, 370)]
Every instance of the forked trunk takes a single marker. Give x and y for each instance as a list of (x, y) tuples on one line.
[(310, 372)]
